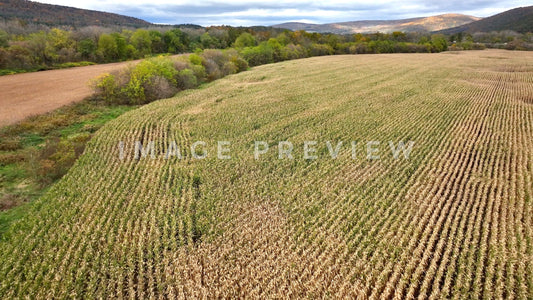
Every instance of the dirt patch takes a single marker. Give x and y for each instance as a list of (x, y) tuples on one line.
[(28, 94), (8, 201)]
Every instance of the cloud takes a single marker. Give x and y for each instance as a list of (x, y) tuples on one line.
[(255, 12)]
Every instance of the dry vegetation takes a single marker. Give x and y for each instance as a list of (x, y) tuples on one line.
[(453, 221)]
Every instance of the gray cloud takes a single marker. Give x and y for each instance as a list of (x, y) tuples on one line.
[(212, 12)]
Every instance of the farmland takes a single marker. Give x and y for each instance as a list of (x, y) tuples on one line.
[(35, 93), (454, 220)]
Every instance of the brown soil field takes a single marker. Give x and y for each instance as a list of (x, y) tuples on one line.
[(28, 94)]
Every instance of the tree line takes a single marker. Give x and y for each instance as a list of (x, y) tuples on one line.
[(23, 47), (52, 47)]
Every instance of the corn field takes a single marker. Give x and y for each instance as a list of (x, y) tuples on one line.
[(452, 221)]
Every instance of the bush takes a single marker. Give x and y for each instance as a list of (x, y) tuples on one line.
[(417, 48), (158, 87), (381, 47), (454, 47), (186, 79), (439, 43), (18, 56), (245, 40), (216, 56), (54, 160), (359, 48), (162, 77), (218, 64), (292, 51), (259, 55), (142, 77), (467, 45), (229, 68), (400, 47), (212, 69), (106, 88), (321, 49), (240, 63), (195, 59), (199, 72), (343, 48), (74, 64), (180, 64)]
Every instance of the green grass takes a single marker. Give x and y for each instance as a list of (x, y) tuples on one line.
[(74, 64), (7, 217), (14, 71), (44, 68), (31, 139), (11, 172), (19, 185)]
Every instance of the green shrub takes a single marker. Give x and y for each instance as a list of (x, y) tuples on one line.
[(360, 48), (321, 49), (106, 88), (186, 79), (259, 55), (400, 47), (381, 47), (75, 64), (237, 60), (195, 59), (53, 160), (229, 68), (199, 72), (417, 48), (276, 47), (162, 77), (142, 78), (292, 51), (240, 63), (439, 42), (245, 40)]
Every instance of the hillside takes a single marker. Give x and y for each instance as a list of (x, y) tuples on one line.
[(54, 15), (518, 19), (424, 24), (454, 220)]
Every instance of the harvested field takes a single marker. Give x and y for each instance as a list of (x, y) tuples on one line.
[(454, 220)]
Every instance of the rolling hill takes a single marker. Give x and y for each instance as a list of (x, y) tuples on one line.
[(519, 19), (424, 24), (453, 221), (54, 15)]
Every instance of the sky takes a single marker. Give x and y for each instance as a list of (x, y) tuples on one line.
[(255, 12)]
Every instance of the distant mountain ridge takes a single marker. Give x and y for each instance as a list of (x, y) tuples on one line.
[(518, 19), (423, 24), (54, 15)]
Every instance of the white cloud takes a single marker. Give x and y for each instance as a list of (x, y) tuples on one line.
[(259, 12)]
